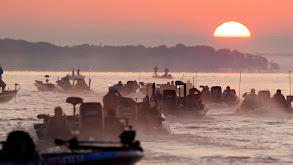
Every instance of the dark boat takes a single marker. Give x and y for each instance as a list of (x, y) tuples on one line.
[(140, 117), (90, 123), (126, 89), (215, 96), (181, 106), (265, 105), (78, 84), (8, 95), (126, 152)]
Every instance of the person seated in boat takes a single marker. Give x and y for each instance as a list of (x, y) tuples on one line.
[(173, 86), (2, 84), (206, 94), (194, 98), (157, 96), (111, 99), (228, 94), (251, 100), (279, 100), (80, 84), (119, 85), (19, 147), (156, 118), (113, 127), (58, 125), (188, 85)]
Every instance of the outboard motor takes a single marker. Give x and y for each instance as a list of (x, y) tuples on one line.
[(169, 101), (264, 98), (91, 119), (216, 94), (127, 109)]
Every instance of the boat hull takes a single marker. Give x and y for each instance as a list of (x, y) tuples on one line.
[(7, 96), (41, 87), (101, 158)]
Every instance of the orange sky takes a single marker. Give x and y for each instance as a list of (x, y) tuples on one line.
[(147, 22)]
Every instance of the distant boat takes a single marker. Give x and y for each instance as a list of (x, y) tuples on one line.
[(7, 95), (164, 76)]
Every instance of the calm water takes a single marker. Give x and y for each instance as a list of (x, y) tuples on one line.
[(220, 138)]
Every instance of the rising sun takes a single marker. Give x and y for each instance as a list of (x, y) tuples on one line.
[(232, 29)]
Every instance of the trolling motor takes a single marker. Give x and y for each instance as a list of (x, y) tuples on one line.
[(74, 101)]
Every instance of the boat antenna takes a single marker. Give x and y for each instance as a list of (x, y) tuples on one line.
[(290, 81), (239, 85), (196, 77)]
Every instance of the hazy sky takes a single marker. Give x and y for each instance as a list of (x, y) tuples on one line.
[(149, 22)]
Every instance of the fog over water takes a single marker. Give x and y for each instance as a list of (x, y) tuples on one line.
[(220, 138)]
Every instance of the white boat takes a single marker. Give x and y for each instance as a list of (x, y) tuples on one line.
[(8, 95)]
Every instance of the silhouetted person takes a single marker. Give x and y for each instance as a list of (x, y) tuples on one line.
[(155, 114), (206, 94), (194, 98), (166, 71), (73, 72), (156, 70), (251, 100), (2, 84), (19, 147), (58, 125), (157, 96), (77, 72), (111, 100), (228, 95), (279, 100)]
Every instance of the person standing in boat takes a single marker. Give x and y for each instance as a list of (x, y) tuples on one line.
[(77, 72), (2, 84), (73, 72), (156, 70), (166, 71)]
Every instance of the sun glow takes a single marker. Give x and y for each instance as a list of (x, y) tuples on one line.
[(232, 29)]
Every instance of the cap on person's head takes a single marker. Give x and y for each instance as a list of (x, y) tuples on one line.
[(252, 90), (207, 87), (112, 89), (279, 91), (228, 87), (58, 111)]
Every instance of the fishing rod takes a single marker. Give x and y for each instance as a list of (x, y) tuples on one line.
[(290, 81), (239, 85), (196, 77)]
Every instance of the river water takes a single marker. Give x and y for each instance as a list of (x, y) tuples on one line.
[(220, 138)]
